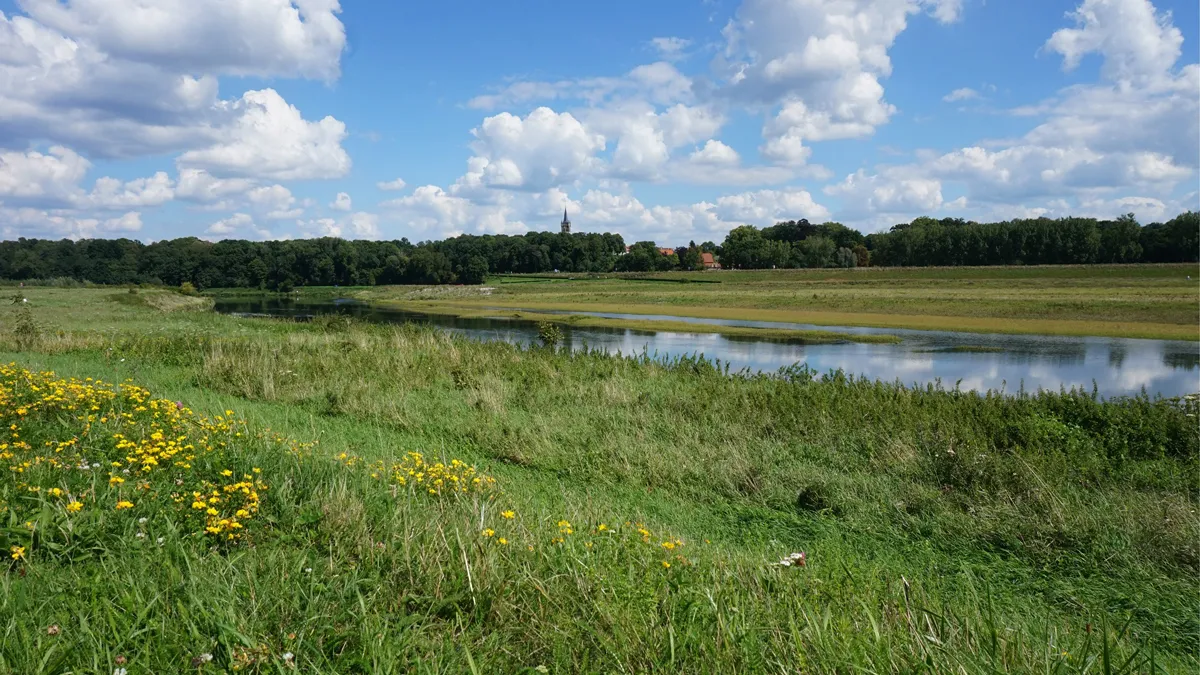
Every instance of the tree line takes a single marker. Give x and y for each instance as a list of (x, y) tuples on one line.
[(283, 265)]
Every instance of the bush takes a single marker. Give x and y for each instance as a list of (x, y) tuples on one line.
[(187, 288), (550, 334)]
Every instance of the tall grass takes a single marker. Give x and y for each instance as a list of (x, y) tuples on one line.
[(944, 531)]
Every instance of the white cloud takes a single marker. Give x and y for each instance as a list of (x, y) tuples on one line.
[(391, 185), (53, 180), (197, 185), (51, 224), (670, 48), (542, 150), (289, 38), (274, 202), (268, 138), (715, 152), (1139, 44), (659, 82), (54, 176), (341, 202), (962, 94), (1130, 139), (113, 194), (891, 192), (821, 61), (230, 225)]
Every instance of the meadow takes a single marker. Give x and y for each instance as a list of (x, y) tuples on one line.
[(189, 492), (1138, 301)]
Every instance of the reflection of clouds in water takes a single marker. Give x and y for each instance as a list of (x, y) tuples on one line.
[(1118, 366)]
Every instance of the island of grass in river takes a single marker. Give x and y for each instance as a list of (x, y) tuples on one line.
[(1133, 301)]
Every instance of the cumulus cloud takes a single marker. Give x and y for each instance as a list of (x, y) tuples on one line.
[(541, 150), (1129, 139), (341, 202), (820, 62), (31, 222), (288, 38), (53, 176), (268, 138), (1138, 43)]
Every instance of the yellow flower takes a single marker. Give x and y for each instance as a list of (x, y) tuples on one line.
[(55, 492), (503, 541), (666, 565), (18, 552), (75, 507), (508, 514), (602, 527), (489, 532), (116, 480), (564, 523), (226, 473), (124, 505)]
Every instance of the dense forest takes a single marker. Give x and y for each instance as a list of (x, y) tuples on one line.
[(282, 265)]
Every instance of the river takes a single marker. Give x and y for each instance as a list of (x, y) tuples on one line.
[(970, 361)]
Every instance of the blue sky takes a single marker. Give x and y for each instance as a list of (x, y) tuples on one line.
[(670, 121)]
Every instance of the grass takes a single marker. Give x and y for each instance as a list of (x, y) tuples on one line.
[(943, 531), (581, 320), (1137, 301)]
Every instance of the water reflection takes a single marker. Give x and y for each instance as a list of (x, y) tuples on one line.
[(1114, 366)]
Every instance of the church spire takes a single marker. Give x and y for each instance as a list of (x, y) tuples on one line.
[(566, 223)]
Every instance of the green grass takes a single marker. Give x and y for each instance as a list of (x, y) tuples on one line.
[(1140, 301), (945, 532)]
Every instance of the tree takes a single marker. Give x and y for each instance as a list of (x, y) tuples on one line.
[(845, 258), (475, 272), (862, 257)]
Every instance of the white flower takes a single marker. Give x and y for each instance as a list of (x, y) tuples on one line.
[(161, 540), (307, 570), (140, 535), (142, 520), (205, 657), (119, 671), (288, 656)]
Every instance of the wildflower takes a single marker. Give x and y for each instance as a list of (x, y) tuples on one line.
[(120, 671), (142, 520), (288, 657), (489, 532), (503, 541), (53, 630), (563, 523), (18, 552), (124, 505), (120, 660), (161, 540), (205, 657), (666, 565), (508, 515), (75, 507), (602, 528)]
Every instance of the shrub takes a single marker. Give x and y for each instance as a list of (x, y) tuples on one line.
[(549, 333)]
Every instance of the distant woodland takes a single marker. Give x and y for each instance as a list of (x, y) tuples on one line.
[(469, 259)]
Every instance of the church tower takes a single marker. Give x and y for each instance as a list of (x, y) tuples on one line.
[(566, 223)]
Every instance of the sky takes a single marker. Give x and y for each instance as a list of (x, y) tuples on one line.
[(670, 121)]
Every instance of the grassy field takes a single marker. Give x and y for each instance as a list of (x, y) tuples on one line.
[(1144, 301), (593, 514)]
